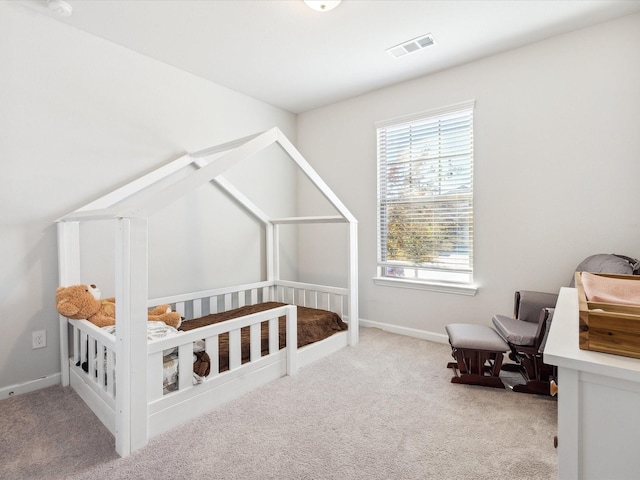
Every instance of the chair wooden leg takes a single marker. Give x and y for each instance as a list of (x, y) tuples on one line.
[(534, 386), (483, 380), (535, 373), (477, 367), (497, 364)]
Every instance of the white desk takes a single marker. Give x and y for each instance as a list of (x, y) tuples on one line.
[(598, 403)]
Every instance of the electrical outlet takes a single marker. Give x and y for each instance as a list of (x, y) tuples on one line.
[(38, 339)]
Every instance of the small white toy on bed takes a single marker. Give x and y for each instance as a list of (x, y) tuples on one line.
[(157, 330)]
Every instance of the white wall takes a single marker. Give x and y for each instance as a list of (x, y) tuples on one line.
[(557, 163), (80, 116)]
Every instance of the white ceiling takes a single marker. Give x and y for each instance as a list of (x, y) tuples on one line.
[(284, 53)]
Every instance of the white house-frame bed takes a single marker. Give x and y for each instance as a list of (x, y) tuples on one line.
[(122, 381)]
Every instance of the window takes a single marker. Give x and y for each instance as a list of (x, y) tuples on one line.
[(425, 199)]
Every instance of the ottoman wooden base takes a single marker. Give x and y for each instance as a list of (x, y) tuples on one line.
[(478, 351)]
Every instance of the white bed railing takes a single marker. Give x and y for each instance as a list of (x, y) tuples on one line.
[(184, 343), (334, 299), (95, 350), (93, 362), (204, 302), (197, 304)]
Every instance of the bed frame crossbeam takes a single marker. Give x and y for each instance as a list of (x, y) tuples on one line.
[(302, 220)]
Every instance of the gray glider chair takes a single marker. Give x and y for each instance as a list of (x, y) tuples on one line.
[(526, 334)]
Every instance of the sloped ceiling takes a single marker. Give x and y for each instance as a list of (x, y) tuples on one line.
[(284, 53)]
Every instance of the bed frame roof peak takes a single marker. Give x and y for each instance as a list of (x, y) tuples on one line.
[(138, 199)]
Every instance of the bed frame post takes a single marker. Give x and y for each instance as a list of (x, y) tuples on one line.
[(275, 249), (68, 274), (353, 283), (292, 340), (131, 335), (271, 239)]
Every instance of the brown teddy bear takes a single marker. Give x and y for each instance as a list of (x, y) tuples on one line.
[(83, 302)]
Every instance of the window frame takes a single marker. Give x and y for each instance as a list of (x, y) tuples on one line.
[(433, 278)]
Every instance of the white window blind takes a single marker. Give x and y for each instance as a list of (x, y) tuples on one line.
[(425, 196)]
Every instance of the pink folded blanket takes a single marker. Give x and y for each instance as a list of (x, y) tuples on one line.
[(611, 290)]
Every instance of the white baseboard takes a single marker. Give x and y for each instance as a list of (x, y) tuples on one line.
[(409, 332), (29, 386)]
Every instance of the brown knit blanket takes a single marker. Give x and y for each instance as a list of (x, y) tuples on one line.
[(313, 325)]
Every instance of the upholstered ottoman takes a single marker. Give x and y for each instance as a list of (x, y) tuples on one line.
[(478, 351)]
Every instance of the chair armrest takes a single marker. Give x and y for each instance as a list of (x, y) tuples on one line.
[(546, 317)]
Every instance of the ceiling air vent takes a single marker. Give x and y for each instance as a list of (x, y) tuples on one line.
[(412, 46)]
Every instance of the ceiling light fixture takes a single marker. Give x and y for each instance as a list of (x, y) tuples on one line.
[(412, 45), (60, 8), (322, 5)]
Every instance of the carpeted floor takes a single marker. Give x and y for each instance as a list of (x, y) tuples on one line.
[(383, 409)]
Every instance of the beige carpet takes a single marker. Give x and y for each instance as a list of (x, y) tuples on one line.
[(384, 409)]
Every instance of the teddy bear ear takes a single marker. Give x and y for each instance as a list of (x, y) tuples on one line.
[(66, 308)]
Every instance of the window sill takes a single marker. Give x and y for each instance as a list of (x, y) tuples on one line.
[(455, 288)]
